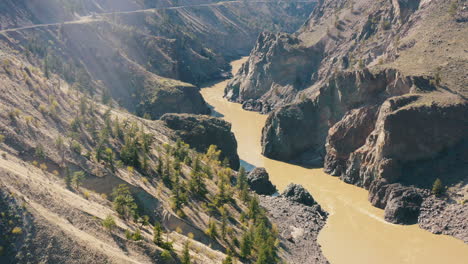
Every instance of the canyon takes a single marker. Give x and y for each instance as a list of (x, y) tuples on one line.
[(135, 131)]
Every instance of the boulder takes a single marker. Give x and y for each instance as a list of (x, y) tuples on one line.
[(201, 131), (403, 206), (259, 181), (297, 193)]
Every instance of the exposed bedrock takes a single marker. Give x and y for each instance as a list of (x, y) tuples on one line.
[(298, 131), (398, 152), (278, 65), (259, 182), (297, 193), (411, 131), (201, 131)]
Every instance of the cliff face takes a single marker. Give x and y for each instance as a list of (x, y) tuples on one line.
[(343, 92), (378, 96), (200, 132)]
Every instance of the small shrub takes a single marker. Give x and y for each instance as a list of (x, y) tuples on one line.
[(75, 147), (361, 64), (178, 230), (386, 25), (2, 138), (166, 255), (437, 187), (109, 223), (28, 119), (86, 195), (43, 166), (39, 151), (55, 172), (137, 235), (17, 231)]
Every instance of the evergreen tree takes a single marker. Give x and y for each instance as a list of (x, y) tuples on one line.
[(197, 184), (246, 245), (77, 179), (186, 254), (157, 237), (212, 231), (254, 208), (68, 177), (241, 179), (124, 203)]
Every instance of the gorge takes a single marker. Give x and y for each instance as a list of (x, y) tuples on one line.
[(233, 131), (355, 232)]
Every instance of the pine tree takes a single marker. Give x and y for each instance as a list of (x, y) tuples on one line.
[(254, 208), (246, 245), (77, 179), (157, 238), (224, 219), (68, 177), (197, 184), (124, 203), (212, 231), (241, 179), (186, 254)]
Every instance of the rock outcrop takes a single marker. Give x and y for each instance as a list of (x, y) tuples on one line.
[(202, 131), (259, 182), (298, 228), (278, 65), (281, 138), (297, 193), (408, 130)]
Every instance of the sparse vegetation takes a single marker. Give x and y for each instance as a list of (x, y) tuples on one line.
[(438, 187), (109, 223), (77, 179)]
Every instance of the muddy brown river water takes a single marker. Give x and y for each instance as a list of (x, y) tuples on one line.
[(355, 231)]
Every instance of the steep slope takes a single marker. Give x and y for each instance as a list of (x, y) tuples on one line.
[(82, 182), (138, 56), (377, 91)]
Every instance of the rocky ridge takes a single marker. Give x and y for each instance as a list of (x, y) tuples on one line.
[(378, 96)]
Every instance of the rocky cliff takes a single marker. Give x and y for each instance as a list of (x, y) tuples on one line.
[(378, 96), (200, 132)]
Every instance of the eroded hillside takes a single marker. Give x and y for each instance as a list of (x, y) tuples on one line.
[(86, 176), (139, 57)]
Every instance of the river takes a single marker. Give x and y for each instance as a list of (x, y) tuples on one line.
[(355, 231)]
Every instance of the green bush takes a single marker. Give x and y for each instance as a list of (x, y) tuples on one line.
[(109, 223)]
